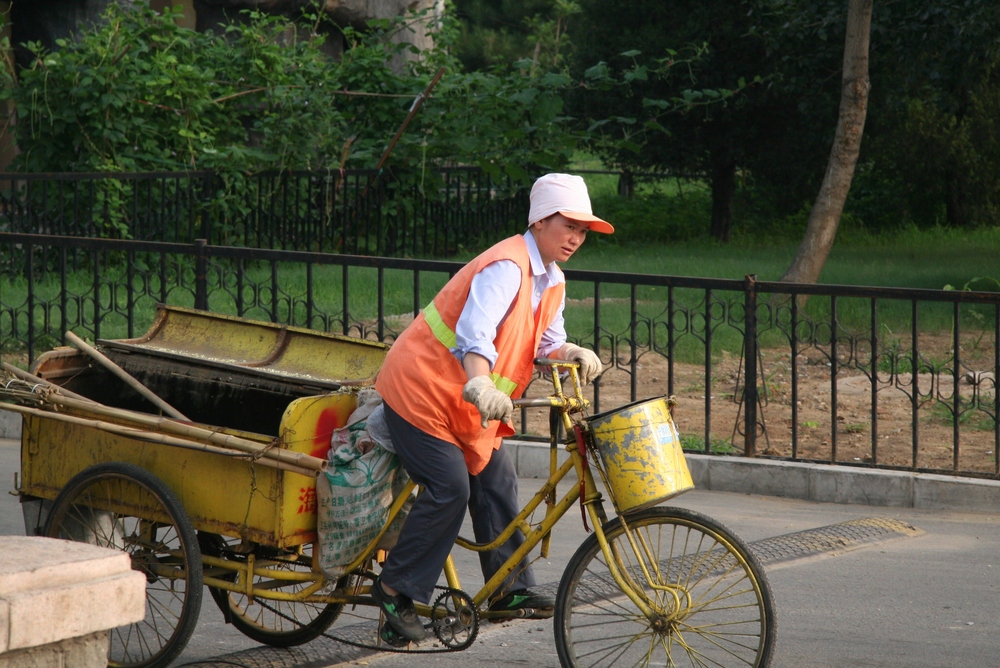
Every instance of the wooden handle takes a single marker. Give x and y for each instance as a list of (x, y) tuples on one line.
[(101, 359)]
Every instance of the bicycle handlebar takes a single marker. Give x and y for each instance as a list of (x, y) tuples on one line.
[(551, 361), (537, 402), (562, 401)]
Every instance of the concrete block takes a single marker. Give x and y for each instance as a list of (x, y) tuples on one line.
[(28, 563), (4, 625), (758, 476), (90, 651), (45, 616), (10, 424), (847, 484), (953, 493), (55, 590)]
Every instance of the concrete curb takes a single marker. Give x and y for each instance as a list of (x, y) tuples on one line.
[(823, 483)]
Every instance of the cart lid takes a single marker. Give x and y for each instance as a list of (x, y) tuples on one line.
[(257, 347)]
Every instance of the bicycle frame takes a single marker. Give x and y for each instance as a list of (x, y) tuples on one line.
[(562, 407)]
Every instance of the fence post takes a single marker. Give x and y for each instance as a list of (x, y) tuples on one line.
[(29, 269), (750, 365), (200, 275), (626, 184), (206, 206)]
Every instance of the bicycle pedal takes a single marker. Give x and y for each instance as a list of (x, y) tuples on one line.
[(391, 637), (507, 615), (521, 613)]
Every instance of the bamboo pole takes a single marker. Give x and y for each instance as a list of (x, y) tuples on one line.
[(144, 435), (27, 377), (103, 360), (298, 459)]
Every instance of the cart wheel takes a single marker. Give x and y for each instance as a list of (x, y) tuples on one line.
[(123, 506), (277, 623)]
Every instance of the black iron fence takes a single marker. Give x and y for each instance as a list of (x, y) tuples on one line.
[(350, 211), (880, 377)]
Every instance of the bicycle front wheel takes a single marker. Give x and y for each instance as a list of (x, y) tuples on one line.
[(710, 600)]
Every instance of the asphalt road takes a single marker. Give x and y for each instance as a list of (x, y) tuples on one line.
[(920, 602)]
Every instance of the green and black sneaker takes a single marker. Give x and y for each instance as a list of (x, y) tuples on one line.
[(391, 637), (525, 603), (399, 613)]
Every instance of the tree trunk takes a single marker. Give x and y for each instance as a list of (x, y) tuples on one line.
[(626, 184), (723, 189), (826, 211), (956, 209)]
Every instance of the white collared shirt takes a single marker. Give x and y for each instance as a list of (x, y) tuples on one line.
[(490, 299)]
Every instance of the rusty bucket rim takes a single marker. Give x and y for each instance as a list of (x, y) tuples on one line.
[(615, 411)]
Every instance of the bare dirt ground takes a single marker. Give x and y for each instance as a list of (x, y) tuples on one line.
[(852, 440)]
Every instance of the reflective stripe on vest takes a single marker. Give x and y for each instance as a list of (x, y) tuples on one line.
[(446, 335)]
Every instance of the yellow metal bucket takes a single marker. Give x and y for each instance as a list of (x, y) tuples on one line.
[(641, 454)]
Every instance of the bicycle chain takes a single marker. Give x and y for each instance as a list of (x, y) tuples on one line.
[(380, 648)]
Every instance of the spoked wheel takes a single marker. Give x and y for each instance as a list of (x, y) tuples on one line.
[(277, 623), (710, 600), (123, 506)]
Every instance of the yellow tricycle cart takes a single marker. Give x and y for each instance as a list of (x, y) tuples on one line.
[(223, 494), (190, 512)]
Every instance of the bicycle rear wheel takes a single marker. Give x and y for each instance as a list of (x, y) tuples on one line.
[(712, 601), (278, 623)]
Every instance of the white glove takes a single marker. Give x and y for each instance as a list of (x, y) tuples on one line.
[(590, 363), (491, 402)]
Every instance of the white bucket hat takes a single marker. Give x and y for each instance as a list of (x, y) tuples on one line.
[(565, 194)]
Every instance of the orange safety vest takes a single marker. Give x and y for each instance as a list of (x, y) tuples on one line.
[(422, 381)]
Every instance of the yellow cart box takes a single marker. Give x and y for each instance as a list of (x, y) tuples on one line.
[(286, 387)]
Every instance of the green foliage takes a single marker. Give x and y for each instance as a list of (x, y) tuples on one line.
[(701, 58), (656, 218), (654, 59), (986, 283), (931, 153), (717, 446), (501, 121), (139, 93), (504, 32), (940, 166), (710, 88)]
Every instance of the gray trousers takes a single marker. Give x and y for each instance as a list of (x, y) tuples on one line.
[(415, 563)]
